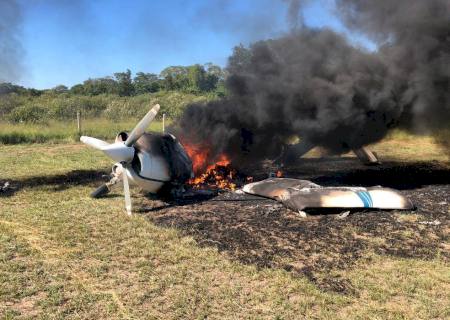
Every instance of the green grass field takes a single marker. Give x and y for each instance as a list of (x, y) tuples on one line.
[(64, 255), (62, 132)]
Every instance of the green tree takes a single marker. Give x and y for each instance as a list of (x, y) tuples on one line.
[(215, 77), (60, 89), (175, 78), (239, 59), (195, 78), (196, 75), (98, 86), (146, 83), (77, 89), (7, 88), (124, 83)]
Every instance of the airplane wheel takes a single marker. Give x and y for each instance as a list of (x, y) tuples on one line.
[(100, 191)]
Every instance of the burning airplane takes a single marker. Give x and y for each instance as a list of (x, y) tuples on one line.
[(154, 161), (309, 83), (148, 160)]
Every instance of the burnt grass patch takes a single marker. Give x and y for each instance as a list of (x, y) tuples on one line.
[(262, 232)]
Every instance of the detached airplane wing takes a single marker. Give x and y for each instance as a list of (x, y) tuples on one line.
[(300, 194)]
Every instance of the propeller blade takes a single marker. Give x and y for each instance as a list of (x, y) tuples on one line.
[(94, 142), (139, 130), (119, 152), (126, 191)]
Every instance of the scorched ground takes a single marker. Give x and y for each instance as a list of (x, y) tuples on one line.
[(260, 231)]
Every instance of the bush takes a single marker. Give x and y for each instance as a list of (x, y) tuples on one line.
[(125, 108), (8, 103), (172, 104), (64, 106), (29, 113)]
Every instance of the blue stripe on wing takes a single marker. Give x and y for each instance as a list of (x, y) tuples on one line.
[(365, 198)]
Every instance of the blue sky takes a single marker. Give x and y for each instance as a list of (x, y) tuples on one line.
[(66, 42)]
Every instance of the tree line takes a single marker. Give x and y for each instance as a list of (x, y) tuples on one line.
[(195, 79), (123, 95)]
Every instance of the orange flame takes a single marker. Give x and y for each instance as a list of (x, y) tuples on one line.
[(199, 156), (220, 174)]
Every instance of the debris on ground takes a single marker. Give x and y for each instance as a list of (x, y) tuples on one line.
[(344, 215), (5, 187), (298, 194), (302, 214), (431, 223)]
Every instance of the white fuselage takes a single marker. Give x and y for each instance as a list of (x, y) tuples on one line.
[(153, 173)]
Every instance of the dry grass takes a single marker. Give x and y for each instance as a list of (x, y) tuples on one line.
[(404, 147), (64, 132), (65, 255), (399, 145)]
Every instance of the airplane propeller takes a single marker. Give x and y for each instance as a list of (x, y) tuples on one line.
[(122, 152), (139, 130), (126, 191)]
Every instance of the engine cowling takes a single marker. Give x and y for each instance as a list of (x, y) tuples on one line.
[(159, 160)]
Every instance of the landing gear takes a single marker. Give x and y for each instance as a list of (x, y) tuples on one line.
[(105, 188)]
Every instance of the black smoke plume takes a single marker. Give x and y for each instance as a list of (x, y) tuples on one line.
[(414, 38), (313, 83), (10, 48)]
